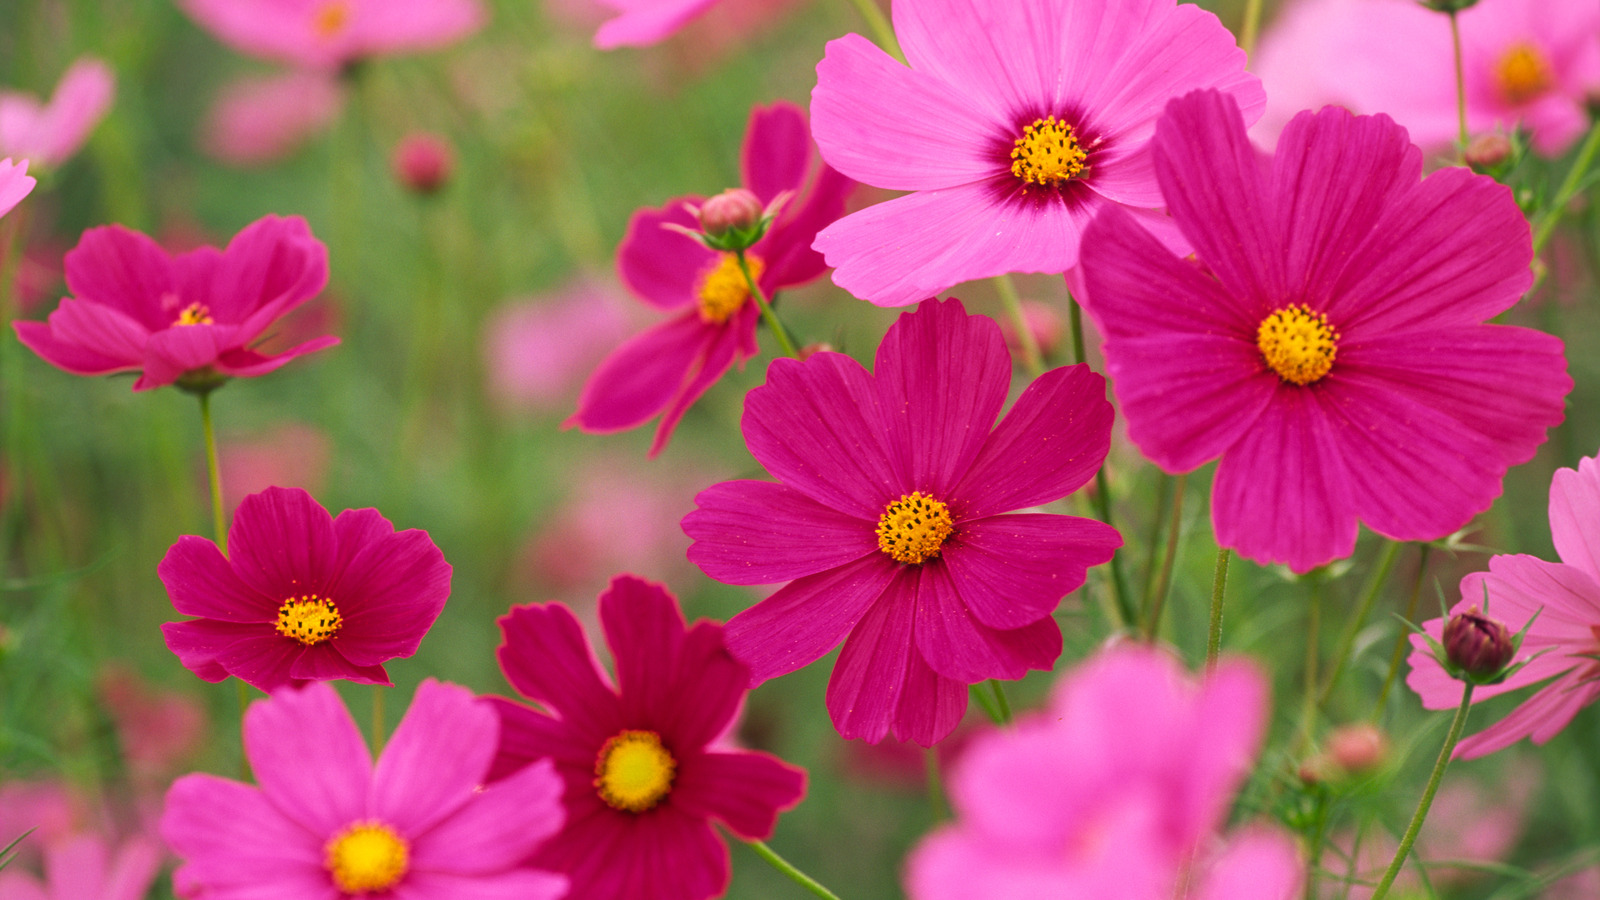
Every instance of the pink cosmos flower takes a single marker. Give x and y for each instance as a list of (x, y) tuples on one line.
[(260, 120), (83, 868), (887, 521), (14, 184), (1114, 791), (328, 823), (328, 34), (1328, 343), (302, 596), (1528, 62), (1567, 630), (193, 318), (644, 764), (1014, 124), (640, 23), (538, 350), (48, 134), (665, 369)]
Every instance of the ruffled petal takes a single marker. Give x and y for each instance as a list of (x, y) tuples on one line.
[(171, 353), (282, 544), (957, 646), (931, 705), (758, 532), (735, 339), (1540, 717), (70, 357), (309, 758), (127, 271), (198, 643), (1004, 59), (270, 267), (805, 619), (324, 662), (436, 757), (744, 791), (1013, 570), (200, 582), (390, 592), (864, 690), (546, 657)]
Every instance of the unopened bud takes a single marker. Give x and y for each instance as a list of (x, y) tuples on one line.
[(811, 350), (1043, 323), (735, 209), (1488, 150), (1477, 644), (423, 162), (1358, 748)]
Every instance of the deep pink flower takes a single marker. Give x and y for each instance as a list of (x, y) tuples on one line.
[(1113, 791), (15, 184), (83, 868), (193, 318), (259, 120), (1014, 124), (328, 34), (1568, 628), (887, 520), (328, 823), (665, 369), (302, 596), (1329, 344), (644, 766), (48, 134)]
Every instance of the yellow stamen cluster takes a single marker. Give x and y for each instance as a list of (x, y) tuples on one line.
[(634, 771), (330, 19), (723, 289), (913, 528), (1298, 343), (1048, 153), (367, 856), (309, 619), (194, 314), (1522, 73)]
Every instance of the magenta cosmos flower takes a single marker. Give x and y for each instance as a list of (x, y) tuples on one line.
[(886, 521), (1115, 791), (302, 596), (193, 318), (665, 369), (1015, 122), (48, 134), (640, 23), (327, 34), (84, 868), (1328, 345), (645, 766), (1566, 597), (14, 184), (326, 823)]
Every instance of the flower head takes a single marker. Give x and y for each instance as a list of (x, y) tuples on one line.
[(15, 184), (1479, 645), (887, 520), (194, 319), (257, 120), (48, 134), (327, 822), (83, 867), (643, 761), (302, 596), (1329, 346), (327, 34), (665, 370), (1013, 125), (423, 162)]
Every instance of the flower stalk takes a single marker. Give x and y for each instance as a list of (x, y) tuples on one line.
[(789, 870), (785, 343), (1410, 837), (218, 523)]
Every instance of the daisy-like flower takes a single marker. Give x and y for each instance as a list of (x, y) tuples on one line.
[(665, 370), (194, 318), (84, 868), (1328, 344), (302, 596), (645, 766), (1115, 791), (1566, 597), (49, 133), (887, 521), (327, 823), (1015, 122), (15, 183), (328, 34)]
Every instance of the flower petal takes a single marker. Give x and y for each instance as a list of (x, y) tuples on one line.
[(805, 619), (643, 375), (500, 826), (71, 357), (201, 583), (787, 249), (270, 267), (1260, 864), (1574, 514), (546, 657), (1013, 570), (308, 757), (744, 791), (171, 353), (528, 736), (931, 705), (1003, 59), (436, 757), (1540, 717), (127, 271), (198, 643), (776, 151), (265, 661), (282, 543), (955, 645), (390, 592), (758, 532), (647, 24), (232, 838), (514, 884), (662, 267), (864, 690), (735, 339)]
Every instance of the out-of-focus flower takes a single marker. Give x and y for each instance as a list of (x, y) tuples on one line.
[(15, 183), (83, 868), (888, 521), (326, 822), (537, 351), (665, 370), (194, 318), (1358, 748), (39, 273), (48, 808), (157, 730), (423, 162), (1581, 886), (259, 120), (644, 763), (1330, 346), (640, 23), (1527, 62), (1566, 598), (48, 134), (1487, 151), (291, 455), (328, 34), (1042, 322), (1112, 793), (301, 595), (1014, 124)]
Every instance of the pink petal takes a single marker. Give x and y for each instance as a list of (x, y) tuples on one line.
[(1539, 717), (408, 25), (734, 339), (545, 656), (757, 532), (500, 827), (269, 268), (744, 791), (38, 337), (259, 121), (80, 101), (1259, 865), (1227, 723), (661, 267), (282, 543), (646, 633), (250, 364), (197, 644), (14, 184), (201, 583), (436, 757), (110, 340), (322, 662), (1566, 598), (800, 623), (391, 589), (527, 736), (266, 661), (1013, 570), (931, 705), (171, 353), (648, 23), (864, 691), (17, 886), (124, 270), (1575, 516), (787, 247), (309, 758), (956, 646), (134, 869), (776, 151), (232, 838), (517, 884), (76, 867), (640, 378), (1001, 59)]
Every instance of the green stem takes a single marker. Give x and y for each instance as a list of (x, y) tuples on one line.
[(1410, 837), (787, 868), (1032, 359), (1461, 84), (1348, 638), (1308, 707), (1080, 354), (1569, 188), (1158, 598), (1152, 540), (1219, 587), (1000, 703), (218, 523), (986, 700), (778, 331), (1251, 27), (882, 31), (1403, 640), (378, 731)]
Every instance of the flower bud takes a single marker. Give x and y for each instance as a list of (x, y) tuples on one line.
[(811, 350), (1477, 644), (423, 162), (1358, 748), (735, 209), (1487, 151)]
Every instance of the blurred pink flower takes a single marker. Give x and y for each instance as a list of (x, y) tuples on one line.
[(48, 134), (643, 22), (328, 34), (39, 273), (14, 184), (537, 351), (1584, 885), (83, 868), (422, 162), (259, 120), (1528, 61), (47, 807), (290, 455), (158, 730)]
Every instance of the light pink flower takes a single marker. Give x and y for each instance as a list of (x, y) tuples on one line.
[(260, 120), (48, 807), (537, 351), (48, 134), (14, 184), (84, 868), (331, 33), (643, 22), (157, 729)]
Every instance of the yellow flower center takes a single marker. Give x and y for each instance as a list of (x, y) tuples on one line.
[(194, 314), (309, 619), (367, 856), (1048, 153), (634, 771), (330, 19), (1523, 73), (1298, 344), (722, 288), (913, 528)]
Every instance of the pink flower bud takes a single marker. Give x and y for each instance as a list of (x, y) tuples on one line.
[(423, 162), (1358, 748), (1477, 644), (809, 350), (1488, 150), (734, 208)]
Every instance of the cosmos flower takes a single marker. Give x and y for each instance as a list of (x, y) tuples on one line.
[(48, 134), (645, 766), (328, 34), (193, 318), (1328, 344), (326, 822), (886, 520), (15, 184), (665, 370), (259, 120), (83, 867), (1014, 124), (302, 596)]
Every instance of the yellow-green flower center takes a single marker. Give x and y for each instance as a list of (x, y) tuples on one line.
[(913, 528), (1522, 73), (367, 856), (723, 290), (309, 619), (634, 771), (1047, 153), (1298, 343)]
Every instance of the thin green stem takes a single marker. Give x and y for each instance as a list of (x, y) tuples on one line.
[(1403, 640), (1152, 540), (1251, 27), (1308, 707), (1410, 837), (882, 31), (986, 700), (1347, 639), (218, 524), (778, 331), (1219, 587), (1569, 188), (1032, 359), (1158, 597), (1075, 318), (1000, 704), (787, 868), (1461, 84), (378, 730)]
